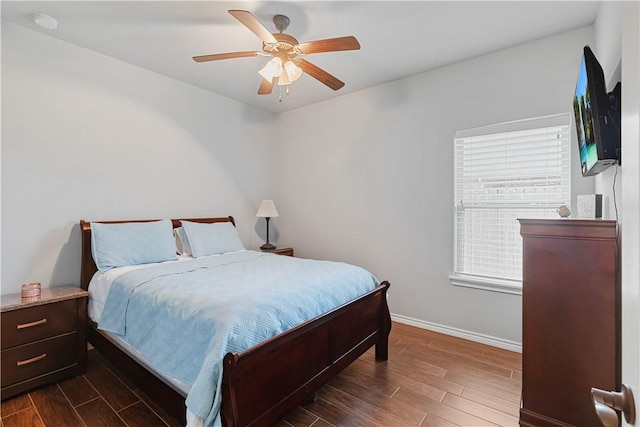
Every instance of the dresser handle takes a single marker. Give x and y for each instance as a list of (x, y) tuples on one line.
[(33, 359), (28, 325)]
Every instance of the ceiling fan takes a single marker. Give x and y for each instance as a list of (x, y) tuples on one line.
[(286, 65)]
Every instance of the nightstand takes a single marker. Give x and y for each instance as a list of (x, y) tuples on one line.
[(44, 340), (280, 251)]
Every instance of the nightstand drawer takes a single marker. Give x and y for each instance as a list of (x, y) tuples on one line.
[(30, 360), (35, 323)]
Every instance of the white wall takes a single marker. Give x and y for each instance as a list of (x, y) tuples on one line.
[(85, 136), (608, 50), (630, 200), (368, 177)]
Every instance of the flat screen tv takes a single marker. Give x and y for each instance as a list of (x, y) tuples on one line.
[(597, 117)]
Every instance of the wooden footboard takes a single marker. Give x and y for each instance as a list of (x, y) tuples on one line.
[(264, 383)]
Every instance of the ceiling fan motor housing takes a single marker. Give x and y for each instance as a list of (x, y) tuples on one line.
[(286, 43)]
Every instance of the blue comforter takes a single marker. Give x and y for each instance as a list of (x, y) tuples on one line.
[(185, 316)]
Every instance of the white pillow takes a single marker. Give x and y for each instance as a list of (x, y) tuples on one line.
[(211, 239)]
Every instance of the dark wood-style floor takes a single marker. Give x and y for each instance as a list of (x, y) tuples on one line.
[(429, 380)]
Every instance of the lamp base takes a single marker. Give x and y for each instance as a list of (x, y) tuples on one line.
[(267, 247)]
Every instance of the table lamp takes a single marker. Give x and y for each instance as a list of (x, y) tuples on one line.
[(267, 210)]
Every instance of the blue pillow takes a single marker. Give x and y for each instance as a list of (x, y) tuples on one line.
[(131, 243), (211, 239)]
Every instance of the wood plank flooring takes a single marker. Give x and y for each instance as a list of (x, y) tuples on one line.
[(430, 379)]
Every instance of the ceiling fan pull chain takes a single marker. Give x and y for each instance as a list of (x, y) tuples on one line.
[(280, 96)]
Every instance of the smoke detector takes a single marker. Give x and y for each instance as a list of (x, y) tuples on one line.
[(45, 21)]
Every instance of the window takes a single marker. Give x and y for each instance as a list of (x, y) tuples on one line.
[(504, 172)]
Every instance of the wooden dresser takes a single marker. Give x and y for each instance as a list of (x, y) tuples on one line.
[(43, 340), (571, 319)]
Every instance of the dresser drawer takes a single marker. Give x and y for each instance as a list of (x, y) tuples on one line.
[(30, 360), (35, 323)]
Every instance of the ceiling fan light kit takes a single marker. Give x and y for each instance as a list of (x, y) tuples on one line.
[(288, 71), (284, 65)]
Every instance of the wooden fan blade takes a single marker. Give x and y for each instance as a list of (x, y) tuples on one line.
[(319, 74), (230, 55), (330, 45), (266, 86), (252, 23)]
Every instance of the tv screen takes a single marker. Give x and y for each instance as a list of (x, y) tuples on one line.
[(595, 117)]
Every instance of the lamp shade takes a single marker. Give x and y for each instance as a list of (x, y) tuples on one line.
[(272, 69), (289, 74), (283, 79), (292, 70), (267, 210)]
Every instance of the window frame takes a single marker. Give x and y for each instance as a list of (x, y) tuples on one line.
[(495, 283)]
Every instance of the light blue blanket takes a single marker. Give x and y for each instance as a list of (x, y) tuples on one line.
[(185, 316)]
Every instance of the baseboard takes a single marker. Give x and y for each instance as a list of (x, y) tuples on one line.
[(459, 333)]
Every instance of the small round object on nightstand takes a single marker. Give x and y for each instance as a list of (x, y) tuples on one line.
[(30, 290), (564, 211)]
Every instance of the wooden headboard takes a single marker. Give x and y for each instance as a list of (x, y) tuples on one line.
[(88, 266)]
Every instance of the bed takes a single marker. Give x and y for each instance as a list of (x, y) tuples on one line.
[(263, 383)]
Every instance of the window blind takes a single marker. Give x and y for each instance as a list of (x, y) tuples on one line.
[(504, 172)]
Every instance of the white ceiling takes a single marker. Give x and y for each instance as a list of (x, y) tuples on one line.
[(397, 38)]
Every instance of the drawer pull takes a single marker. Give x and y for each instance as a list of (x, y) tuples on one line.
[(33, 359), (28, 325)]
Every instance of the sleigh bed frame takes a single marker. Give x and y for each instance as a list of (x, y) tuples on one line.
[(264, 383)]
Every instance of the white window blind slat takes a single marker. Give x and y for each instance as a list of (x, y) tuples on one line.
[(504, 172)]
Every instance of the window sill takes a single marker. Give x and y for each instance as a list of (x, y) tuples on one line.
[(513, 287)]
